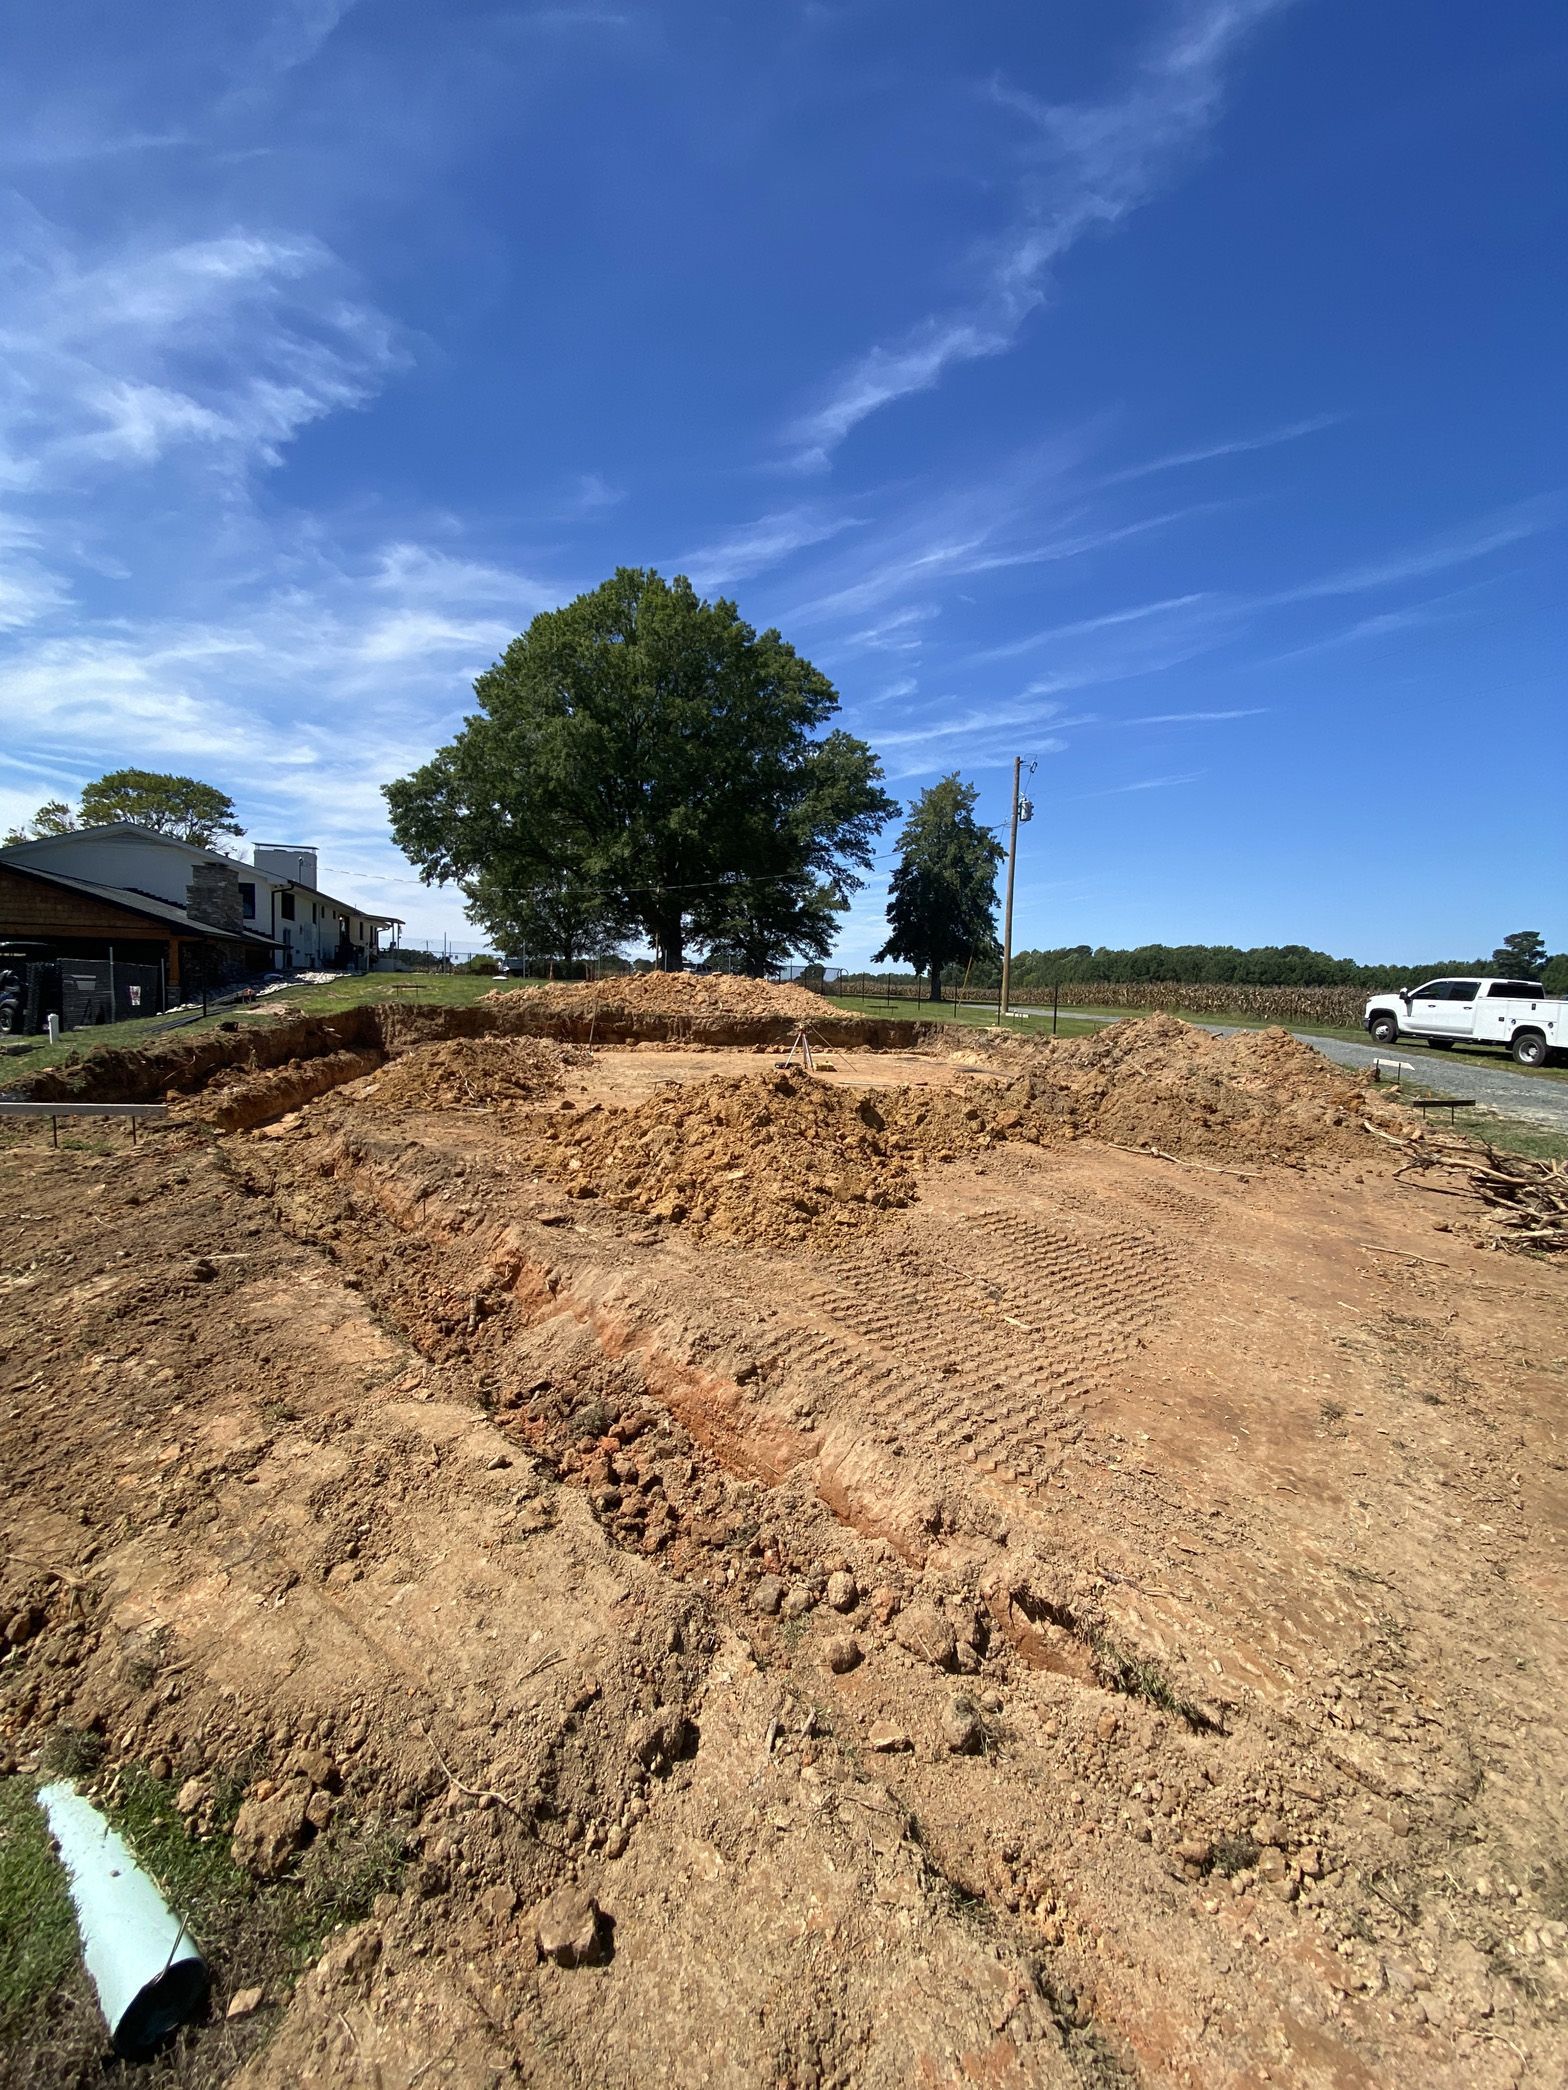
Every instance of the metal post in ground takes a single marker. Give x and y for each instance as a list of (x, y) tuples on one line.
[(1022, 809)]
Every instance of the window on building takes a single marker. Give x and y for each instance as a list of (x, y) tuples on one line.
[(286, 906), (247, 900)]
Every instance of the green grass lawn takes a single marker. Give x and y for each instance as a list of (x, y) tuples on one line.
[(980, 1016)]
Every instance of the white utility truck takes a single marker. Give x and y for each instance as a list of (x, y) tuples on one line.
[(1518, 1014)]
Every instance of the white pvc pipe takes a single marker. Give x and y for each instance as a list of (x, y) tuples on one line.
[(145, 1966)]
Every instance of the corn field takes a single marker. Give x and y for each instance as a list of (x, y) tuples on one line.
[(1339, 1008)]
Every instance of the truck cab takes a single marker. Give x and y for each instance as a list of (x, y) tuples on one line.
[(1519, 1015)]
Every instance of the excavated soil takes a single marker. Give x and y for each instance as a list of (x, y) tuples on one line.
[(476, 1073), (1154, 1081), (1100, 1621), (682, 994)]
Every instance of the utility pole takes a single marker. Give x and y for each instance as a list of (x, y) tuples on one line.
[(1023, 809)]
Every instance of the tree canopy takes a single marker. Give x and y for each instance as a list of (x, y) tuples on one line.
[(652, 753), (941, 906), (1263, 965), (53, 817), (1521, 956), (180, 806)]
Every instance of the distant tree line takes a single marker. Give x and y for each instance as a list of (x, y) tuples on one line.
[(1522, 956)]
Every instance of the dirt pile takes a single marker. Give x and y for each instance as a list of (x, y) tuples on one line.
[(476, 1073), (676, 994), (1158, 1082), (762, 1158), (779, 1158)]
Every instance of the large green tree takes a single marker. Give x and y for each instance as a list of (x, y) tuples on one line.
[(1521, 956), (53, 817), (657, 751), (181, 806), (941, 906), (551, 918)]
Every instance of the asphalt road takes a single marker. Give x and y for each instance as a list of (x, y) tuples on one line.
[(1499, 1088)]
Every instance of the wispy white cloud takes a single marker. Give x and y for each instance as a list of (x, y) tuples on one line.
[(1151, 783), (226, 347), (1084, 627), (1234, 446), (300, 701), (1459, 547), (1193, 718), (753, 547), (592, 494), (1089, 165), (294, 32)]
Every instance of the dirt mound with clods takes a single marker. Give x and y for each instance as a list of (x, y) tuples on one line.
[(761, 1158), (475, 1073), (677, 994), (1159, 1083), (780, 1158)]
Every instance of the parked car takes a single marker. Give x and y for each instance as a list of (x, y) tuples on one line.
[(1516, 1014)]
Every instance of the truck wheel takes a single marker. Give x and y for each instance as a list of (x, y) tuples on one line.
[(1385, 1030), (1529, 1048)]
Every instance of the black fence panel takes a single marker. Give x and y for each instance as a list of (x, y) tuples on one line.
[(103, 990)]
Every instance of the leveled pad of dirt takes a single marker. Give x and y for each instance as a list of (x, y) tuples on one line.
[(474, 1073), (679, 994)]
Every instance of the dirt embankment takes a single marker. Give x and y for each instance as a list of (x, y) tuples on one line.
[(182, 1066), (679, 994)]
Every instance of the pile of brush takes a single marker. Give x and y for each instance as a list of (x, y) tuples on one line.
[(1528, 1198)]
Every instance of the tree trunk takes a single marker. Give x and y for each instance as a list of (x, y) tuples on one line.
[(936, 984), (669, 946)]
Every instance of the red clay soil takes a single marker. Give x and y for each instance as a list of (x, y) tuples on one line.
[(1101, 1622)]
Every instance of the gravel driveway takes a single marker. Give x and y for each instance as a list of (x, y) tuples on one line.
[(1499, 1088)]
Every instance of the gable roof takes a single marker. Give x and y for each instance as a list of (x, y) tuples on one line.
[(121, 896), (193, 852)]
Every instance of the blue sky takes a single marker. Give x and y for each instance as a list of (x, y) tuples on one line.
[(1172, 393)]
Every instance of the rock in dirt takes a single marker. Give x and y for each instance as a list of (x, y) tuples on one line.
[(658, 1738), (842, 1653), (960, 1725), (567, 1927), (244, 2001), (843, 1592), (798, 1602), (267, 1832), (768, 1596), (886, 1739), (929, 1636)]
